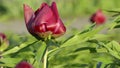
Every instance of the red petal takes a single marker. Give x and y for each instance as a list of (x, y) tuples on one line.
[(39, 9), (51, 26), (40, 28), (2, 36), (28, 13), (100, 17), (60, 28), (44, 15), (54, 9), (92, 18), (23, 65)]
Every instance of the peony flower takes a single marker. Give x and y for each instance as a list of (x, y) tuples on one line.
[(44, 21), (98, 17), (23, 64), (3, 42)]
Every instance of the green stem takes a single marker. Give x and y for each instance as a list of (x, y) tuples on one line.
[(45, 59), (0, 58), (1, 67)]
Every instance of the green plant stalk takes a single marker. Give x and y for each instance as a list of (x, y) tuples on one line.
[(45, 59), (0, 58), (17, 48), (1, 67)]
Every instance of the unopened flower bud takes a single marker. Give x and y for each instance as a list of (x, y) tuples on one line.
[(23, 64), (3, 42), (98, 17), (45, 21)]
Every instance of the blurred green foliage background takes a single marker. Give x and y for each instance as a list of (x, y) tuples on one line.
[(13, 9), (78, 55)]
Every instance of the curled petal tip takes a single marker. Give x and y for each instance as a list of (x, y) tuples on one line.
[(28, 13), (54, 9), (26, 7), (54, 2), (43, 4), (39, 9), (53, 5)]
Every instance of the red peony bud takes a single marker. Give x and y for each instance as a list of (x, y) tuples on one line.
[(44, 21), (2, 36), (98, 17), (3, 42), (23, 64)]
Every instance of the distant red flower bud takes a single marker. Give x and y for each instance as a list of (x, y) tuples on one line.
[(98, 17), (3, 42), (23, 64), (44, 21)]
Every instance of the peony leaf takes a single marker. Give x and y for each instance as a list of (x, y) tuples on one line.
[(10, 62), (17, 48)]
